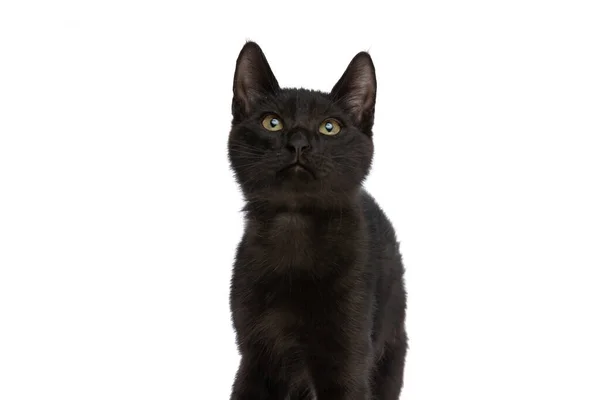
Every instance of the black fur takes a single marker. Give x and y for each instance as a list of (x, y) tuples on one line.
[(317, 293)]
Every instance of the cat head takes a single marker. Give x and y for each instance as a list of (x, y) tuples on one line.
[(291, 144)]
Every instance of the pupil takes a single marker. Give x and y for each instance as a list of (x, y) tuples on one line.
[(329, 126), (274, 122)]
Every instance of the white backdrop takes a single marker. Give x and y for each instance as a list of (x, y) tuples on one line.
[(119, 216)]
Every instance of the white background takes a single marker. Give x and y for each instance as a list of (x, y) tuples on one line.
[(119, 215)]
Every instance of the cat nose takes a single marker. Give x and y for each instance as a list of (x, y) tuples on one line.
[(298, 143)]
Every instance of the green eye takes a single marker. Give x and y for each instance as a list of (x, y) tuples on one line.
[(330, 127), (272, 123)]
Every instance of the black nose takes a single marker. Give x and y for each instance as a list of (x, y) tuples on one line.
[(298, 143)]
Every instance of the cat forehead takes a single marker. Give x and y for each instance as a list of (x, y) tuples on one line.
[(302, 102)]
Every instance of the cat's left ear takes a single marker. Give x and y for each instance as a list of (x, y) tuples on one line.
[(253, 79), (357, 89)]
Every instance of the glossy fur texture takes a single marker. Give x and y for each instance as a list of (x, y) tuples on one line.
[(317, 293)]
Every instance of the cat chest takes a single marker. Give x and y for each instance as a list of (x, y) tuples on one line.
[(295, 241), (291, 239)]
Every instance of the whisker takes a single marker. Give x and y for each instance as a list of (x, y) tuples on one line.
[(246, 151)]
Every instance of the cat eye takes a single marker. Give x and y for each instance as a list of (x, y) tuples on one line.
[(330, 127), (272, 123)]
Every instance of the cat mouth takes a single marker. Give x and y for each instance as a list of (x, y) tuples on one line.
[(298, 168)]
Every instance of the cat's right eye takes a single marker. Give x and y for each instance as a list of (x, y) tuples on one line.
[(272, 123)]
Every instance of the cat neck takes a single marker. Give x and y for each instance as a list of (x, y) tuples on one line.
[(306, 204)]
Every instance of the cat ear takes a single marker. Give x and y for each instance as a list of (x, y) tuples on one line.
[(356, 90), (253, 78)]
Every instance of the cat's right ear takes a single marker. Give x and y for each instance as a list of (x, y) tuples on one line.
[(253, 79)]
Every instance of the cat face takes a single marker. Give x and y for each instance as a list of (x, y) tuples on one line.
[(287, 144)]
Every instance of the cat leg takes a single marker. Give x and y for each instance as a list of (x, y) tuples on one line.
[(336, 385), (301, 394), (342, 374), (388, 376), (256, 381)]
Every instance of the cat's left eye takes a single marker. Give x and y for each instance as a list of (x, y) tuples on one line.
[(330, 127)]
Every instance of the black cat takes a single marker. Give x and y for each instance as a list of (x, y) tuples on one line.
[(317, 293)]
